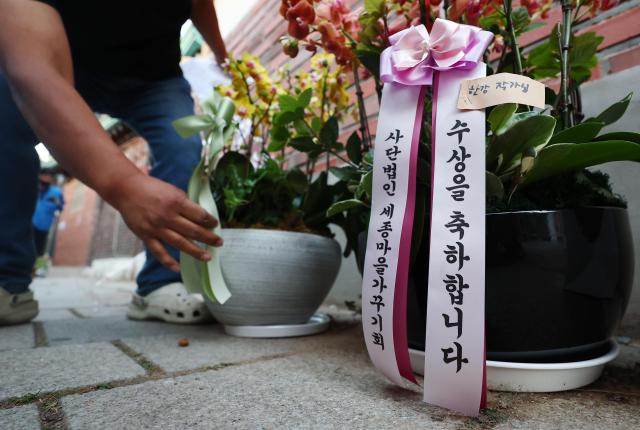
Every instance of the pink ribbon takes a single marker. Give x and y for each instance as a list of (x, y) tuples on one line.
[(415, 54), (414, 58)]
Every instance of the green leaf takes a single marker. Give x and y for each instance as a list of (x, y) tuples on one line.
[(287, 103), (368, 158), (532, 132), (500, 116), (534, 26), (583, 49), (276, 145), (582, 74), (297, 181), (543, 61), (520, 116), (192, 124), (492, 22), (613, 112), (520, 19), (329, 132), (366, 185), (374, 6), (354, 147), (337, 146), (345, 205), (302, 128), (620, 135), (284, 118), (580, 133), (280, 133), (494, 186), (316, 124), (303, 144), (317, 200), (567, 157), (345, 173), (526, 161), (370, 58), (304, 98)]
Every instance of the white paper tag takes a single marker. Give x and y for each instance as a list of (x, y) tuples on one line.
[(499, 89)]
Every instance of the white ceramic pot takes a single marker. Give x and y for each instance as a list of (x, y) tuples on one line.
[(275, 277)]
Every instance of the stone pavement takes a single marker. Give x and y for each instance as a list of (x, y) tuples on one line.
[(83, 365)]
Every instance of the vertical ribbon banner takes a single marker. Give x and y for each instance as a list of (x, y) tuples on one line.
[(454, 347), (217, 125)]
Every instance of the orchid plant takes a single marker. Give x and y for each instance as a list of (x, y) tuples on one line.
[(536, 159), (278, 174), (254, 182)]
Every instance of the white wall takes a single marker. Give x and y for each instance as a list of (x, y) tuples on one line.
[(597, 96)]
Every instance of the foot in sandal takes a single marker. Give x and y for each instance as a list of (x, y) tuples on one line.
[(171, 303)]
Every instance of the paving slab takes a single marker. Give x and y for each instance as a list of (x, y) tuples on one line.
[(16, 336), (100, 311), (26, 371), (330, 383), (49, 314), (68, 292), (20, 418), (213, 347), (85, 330), (571, 410), (303, 391)]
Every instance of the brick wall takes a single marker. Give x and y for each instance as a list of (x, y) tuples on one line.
[(76, 226), (89, 227)]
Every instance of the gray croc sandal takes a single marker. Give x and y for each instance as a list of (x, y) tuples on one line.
[(17, 308), (171, 303)]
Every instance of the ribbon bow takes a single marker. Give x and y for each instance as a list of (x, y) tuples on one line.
[(217, 124), (414, 53)]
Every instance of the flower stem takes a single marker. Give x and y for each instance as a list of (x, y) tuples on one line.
[(423, 13), (565, 104), (514, 39), (362, 113)]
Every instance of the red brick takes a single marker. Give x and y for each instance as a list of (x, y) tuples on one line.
[(624, 59), (618, 28)]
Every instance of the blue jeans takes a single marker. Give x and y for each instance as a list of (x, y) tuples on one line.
[(148, 107)]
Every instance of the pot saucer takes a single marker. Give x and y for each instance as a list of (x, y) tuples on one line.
[(317, 324), (536, 377)]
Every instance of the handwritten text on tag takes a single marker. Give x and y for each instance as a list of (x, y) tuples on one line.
[(498, 89)]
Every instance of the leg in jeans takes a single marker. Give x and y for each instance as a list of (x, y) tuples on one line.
[(173, 158), (19, 166)]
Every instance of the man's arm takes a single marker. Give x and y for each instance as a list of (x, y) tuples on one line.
[(35, 58), (203, 16)]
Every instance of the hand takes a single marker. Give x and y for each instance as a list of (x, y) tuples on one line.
[(159, 212)]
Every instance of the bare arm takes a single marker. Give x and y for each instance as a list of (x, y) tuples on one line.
[(35, 58), (203, 15)]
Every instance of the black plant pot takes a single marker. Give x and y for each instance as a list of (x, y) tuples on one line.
[(557, 284)]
